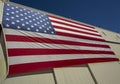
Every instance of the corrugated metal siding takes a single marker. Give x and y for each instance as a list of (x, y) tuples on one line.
[(111, 37), (2, 65), (68, 75), (2, 58), (106, 73), (73, 75), (115, 48), (46, 78), (1, 5), (109, 72)]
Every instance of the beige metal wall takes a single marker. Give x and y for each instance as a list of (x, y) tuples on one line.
[(2, 65), (106, 73), (46, 78), (109, 35), (1, 6), (109, 72), (2, 58), (73, 75), (113, 40), (94, 73)]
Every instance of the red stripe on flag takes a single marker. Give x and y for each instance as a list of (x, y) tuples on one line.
[(73, 26), (34, 51), (30, 67), (51, 41), (58, 27), (70, 21), (79, 36)]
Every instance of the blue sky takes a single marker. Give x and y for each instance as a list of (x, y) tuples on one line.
[(102, 13)]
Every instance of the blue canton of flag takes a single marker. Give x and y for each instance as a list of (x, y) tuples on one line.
[(24, 19)]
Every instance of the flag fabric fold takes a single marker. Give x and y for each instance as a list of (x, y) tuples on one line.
[(37, 41)]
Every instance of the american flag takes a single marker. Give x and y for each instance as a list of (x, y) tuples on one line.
[(37, 41)]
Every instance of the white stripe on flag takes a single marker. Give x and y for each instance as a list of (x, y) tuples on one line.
[(41, 35), (74, 28), (70, 23), (45, 58), (76, 33), (33, 45)]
